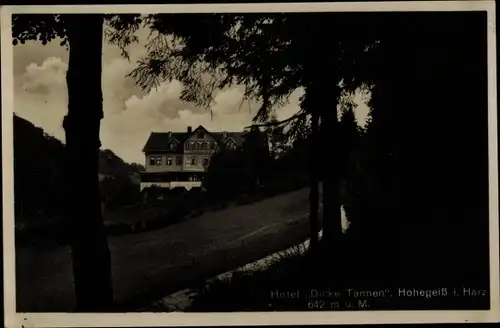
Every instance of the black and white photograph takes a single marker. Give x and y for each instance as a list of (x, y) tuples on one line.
[(293, 164)]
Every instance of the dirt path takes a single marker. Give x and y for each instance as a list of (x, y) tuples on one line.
[(152, 264)]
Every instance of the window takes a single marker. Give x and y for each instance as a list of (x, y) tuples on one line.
[(204, 145), (200, 134), (193, 178), (197, 146), (155, 160), (193, 160), (178, 160), (186, 145), (205, 161), (172, 145), (169, 161)]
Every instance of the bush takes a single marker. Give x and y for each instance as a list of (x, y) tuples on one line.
[(119, 191)]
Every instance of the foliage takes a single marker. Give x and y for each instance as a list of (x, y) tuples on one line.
[(420, 177), (38, 180), (267, 53), (37, 174), (416, 176), (226, 176), (90, 253), (415, 179), (245, 170), (271, 56), (40, 27), (256, 157), (119, 191), (48, 27)]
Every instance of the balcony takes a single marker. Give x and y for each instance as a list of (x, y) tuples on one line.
[(172, 184)]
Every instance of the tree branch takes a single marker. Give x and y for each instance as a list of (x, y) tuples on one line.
[(294, 117)]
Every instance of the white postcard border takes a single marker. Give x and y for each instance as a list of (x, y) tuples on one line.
[(13, 319)]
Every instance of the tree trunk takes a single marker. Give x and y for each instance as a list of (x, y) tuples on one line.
[(332, 215), (322, 78), (314, 183), (88, 239), (324, 97)]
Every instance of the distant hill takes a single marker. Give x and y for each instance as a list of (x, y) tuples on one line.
[(38, 159), (110, 164)]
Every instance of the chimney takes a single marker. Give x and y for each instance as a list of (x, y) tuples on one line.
[(190, 129), (224, 134)]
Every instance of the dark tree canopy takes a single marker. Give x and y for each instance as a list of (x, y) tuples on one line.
[(267, 53), (39, 27)]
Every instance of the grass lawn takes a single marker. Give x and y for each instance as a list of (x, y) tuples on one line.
[(148, 266)]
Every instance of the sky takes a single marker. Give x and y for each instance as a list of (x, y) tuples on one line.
[(130, 114)]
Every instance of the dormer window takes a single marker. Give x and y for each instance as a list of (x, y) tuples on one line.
[(200, 134), (230, 144), (172, 146)]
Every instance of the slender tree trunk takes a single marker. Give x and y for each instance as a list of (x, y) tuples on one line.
[(332, 215), (322, 77), (89, 244), (324, 96), (314, 183)]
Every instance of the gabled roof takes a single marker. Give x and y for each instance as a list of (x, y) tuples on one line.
[(238, 137), (222, 137), (160, 141)]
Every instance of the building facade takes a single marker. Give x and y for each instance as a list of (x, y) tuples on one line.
[(180, 159)]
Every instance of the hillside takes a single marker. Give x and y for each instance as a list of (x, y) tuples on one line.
[(38, 160)]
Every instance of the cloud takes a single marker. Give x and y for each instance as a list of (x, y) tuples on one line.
[(130, 114), (117, 87), (36, 53), (126, 132), (40, 95)]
